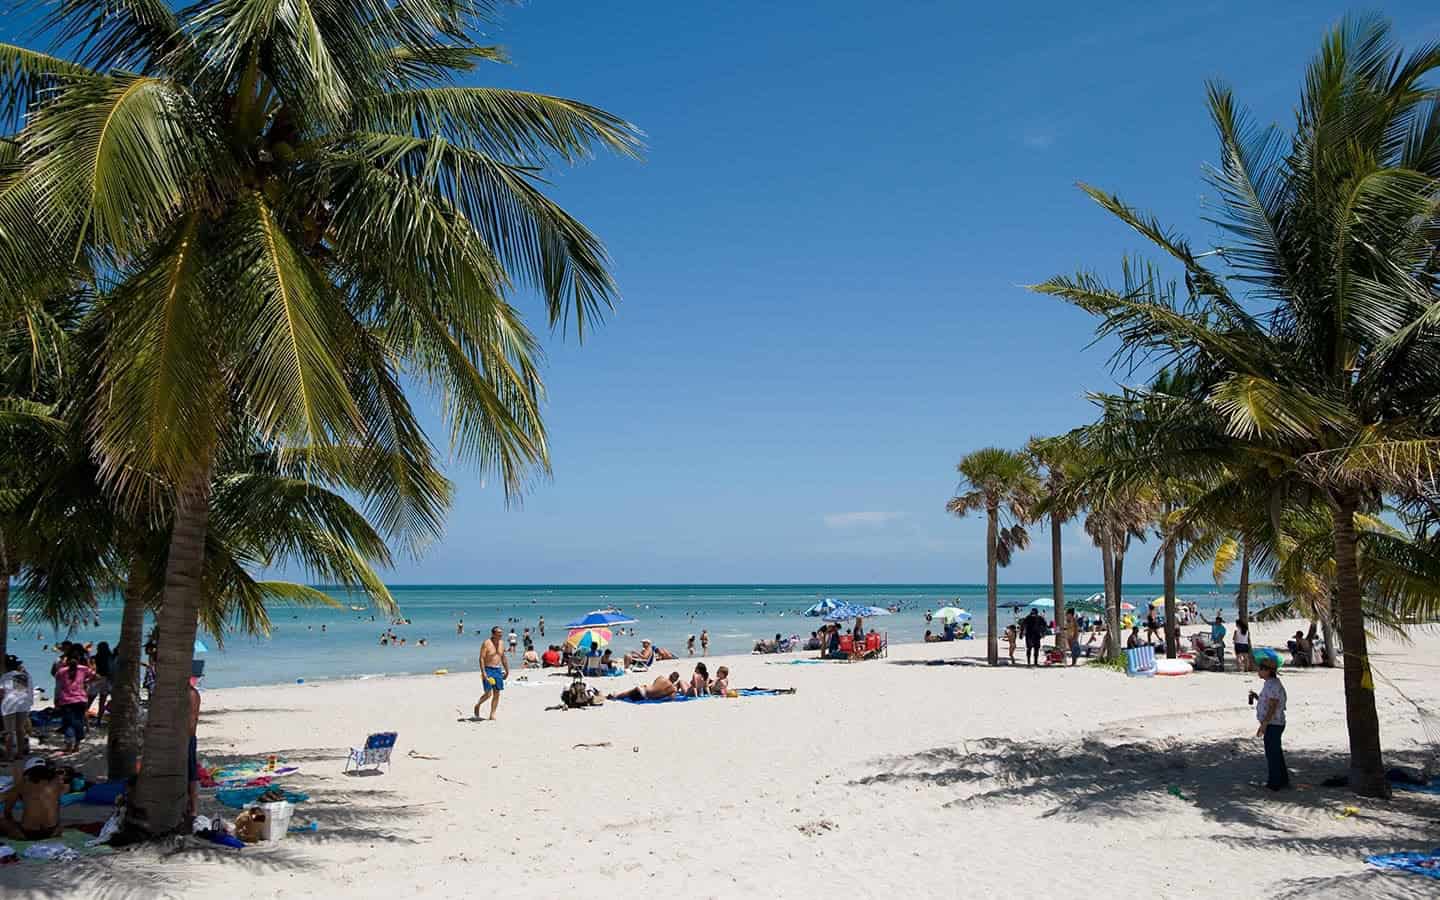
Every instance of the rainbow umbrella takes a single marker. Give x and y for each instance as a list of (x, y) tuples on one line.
[(589, 639)]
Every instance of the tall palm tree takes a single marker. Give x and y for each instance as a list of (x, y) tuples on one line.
[(1326, 370), (1060, 460), (1003, 483), (285, 215)]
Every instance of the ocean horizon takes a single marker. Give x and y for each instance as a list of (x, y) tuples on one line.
[(315, 644)]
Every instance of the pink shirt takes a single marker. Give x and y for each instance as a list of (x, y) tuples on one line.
[(71, 688)]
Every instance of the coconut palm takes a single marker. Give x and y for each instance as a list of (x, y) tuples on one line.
[(284, 215), (1003, 483), (1060, 460), (1324, 371)]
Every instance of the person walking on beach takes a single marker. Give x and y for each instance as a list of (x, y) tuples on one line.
[(1243, 661), (1072, 634), (1035, 629), (1270, 711), (514, 639), (1152, 626), (494, 669), (704, 642)]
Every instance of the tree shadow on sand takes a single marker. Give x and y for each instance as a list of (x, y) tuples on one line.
[(172, 867), (1095, 779)]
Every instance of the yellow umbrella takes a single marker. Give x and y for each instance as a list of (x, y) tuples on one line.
[(1158, 601)]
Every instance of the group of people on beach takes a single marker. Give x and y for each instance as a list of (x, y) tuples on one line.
[(668, 687)]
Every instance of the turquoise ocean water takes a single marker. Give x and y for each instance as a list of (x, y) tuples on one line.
[(735, 615)]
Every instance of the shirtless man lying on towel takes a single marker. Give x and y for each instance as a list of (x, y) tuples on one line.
[(661, 689)]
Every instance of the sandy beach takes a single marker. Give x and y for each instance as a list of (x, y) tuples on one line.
[(874, 778)]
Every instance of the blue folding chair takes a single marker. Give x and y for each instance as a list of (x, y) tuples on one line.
[(1140, 661), (374, 754)]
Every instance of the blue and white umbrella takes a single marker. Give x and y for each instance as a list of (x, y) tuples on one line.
[(601, 620), (825, 607), (851, 611)]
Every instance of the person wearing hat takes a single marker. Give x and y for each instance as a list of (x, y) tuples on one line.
[(1270, 711), (39, 785)]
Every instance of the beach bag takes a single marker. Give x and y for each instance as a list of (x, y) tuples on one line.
[(250, 826), (576, 696)]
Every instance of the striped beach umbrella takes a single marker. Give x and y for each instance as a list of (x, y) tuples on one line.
[(588, 639)]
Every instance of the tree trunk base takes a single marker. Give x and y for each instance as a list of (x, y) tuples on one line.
[(1370, 784)]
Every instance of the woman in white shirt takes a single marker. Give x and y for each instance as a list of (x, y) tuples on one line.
[(1270, 711)]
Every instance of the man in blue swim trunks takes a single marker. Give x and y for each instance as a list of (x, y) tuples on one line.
[(494, 669)]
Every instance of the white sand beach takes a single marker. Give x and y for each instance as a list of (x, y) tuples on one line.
[(879, 778)]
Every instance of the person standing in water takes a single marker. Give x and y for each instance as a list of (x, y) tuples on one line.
[(1270, 711), (494, 669), (704, 642), (542, 626)]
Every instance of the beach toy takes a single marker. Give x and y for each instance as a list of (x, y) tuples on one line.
[(1173, 667), (1347, 812), (1174, 791)]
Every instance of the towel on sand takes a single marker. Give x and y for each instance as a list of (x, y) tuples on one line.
[(1427, 864), (68, 845), (239, 798), (683, 698)]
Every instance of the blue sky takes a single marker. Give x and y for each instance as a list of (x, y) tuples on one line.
[(821, 262)]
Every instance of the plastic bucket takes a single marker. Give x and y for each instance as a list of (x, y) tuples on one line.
[(277, 819)]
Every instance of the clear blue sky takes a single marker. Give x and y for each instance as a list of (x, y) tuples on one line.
[(821, 260)]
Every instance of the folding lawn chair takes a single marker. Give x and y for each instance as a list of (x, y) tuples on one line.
[(374, 754)]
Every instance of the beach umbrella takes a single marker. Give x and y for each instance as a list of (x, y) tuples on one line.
[(1127, 607), (601, 619), (200, 646), (824, 606), (1158, 601), (851, 611), (1267, 656), (588, 639), (949, 614), (1043, 603)]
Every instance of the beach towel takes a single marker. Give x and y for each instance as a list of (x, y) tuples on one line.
[(1426, 864), (71, 844), (1433, 788), (799, 662), (685, 698), (239, 798), (251, 773)]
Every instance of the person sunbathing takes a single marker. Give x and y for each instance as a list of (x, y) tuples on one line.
[(699, 682), (644, 657), (39, 786), (662, 688), (721, 685)]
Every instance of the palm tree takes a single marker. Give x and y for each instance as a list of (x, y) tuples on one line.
[(1325, 372), (286, 216), (1060, 461), (1003, 483)]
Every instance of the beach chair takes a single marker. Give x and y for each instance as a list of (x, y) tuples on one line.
[(1140, 661), (847, 646), (374, 754)]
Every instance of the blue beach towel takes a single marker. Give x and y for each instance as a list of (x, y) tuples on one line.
[(1426, 864), (239, 798), (1432, 788), (685, 698)]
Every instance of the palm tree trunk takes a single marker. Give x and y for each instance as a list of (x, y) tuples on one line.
[(1172, 629), (992, 619), (4, 599), (122, 743), (1112, 621), (1242, 596), (1119, 584), (1367, 766), (1327, 631), (158, 807), (1057, 585)]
